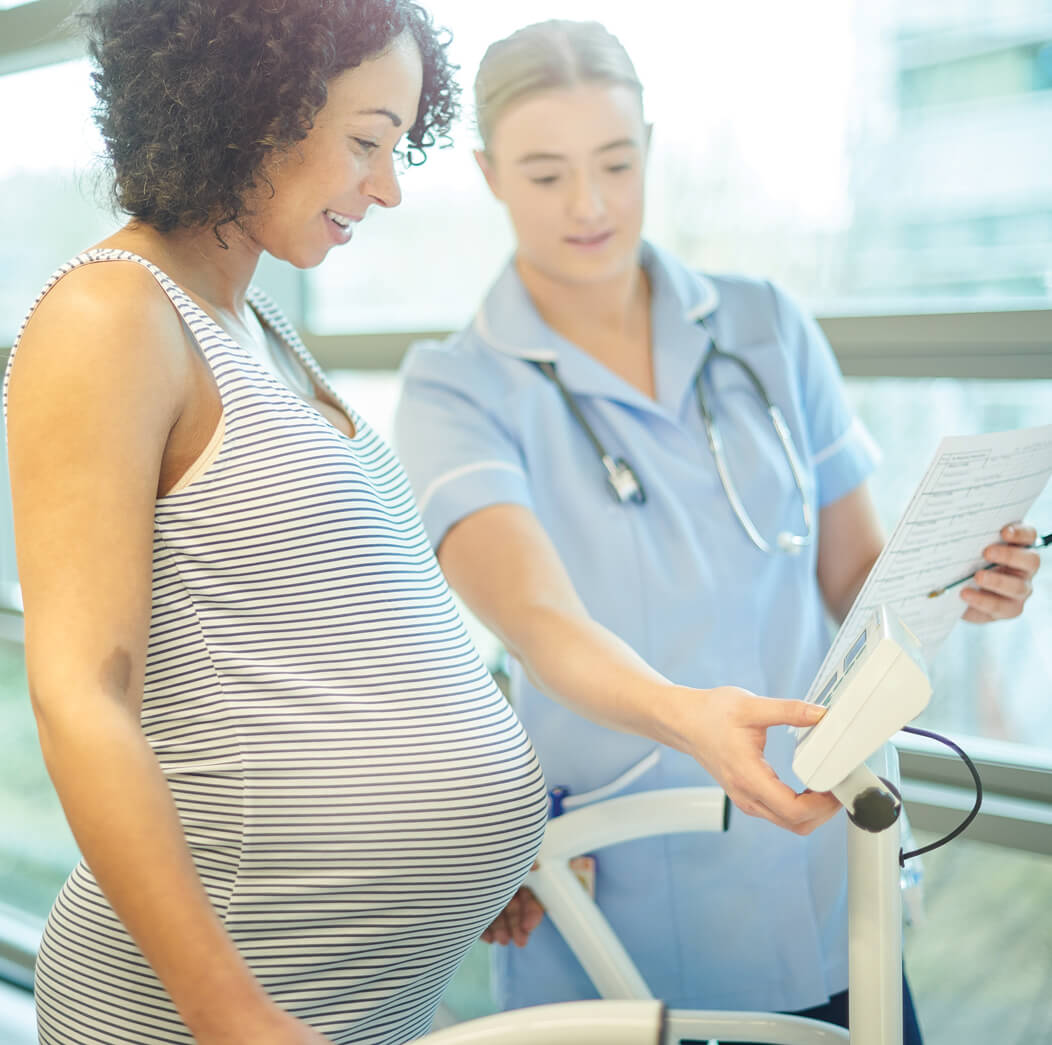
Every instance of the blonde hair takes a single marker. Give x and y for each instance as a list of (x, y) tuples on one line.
[(539, 57)]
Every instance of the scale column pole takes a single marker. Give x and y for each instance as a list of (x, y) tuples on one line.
[(875, 936)]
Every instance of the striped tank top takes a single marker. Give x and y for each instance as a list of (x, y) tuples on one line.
[(359, 799)]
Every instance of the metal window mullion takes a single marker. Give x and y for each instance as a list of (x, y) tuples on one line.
[(37, 34)]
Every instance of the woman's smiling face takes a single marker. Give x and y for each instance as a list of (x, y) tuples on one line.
[(568, 163), (323, 186)]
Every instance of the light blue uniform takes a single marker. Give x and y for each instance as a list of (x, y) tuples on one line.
[(754, 918)]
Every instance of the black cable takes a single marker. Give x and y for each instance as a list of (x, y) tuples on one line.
[(903, 857)]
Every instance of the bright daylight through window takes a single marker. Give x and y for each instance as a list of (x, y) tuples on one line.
[(871, 156)]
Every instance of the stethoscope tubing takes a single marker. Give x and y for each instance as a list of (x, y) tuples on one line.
[(625, 486)]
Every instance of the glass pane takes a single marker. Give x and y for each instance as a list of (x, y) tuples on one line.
[(52, 192), (989, 681), (978, 962), (872, 155), (37, 850)]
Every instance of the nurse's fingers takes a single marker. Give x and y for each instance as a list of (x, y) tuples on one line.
[(1000, 596), (765, 796), (731, 731), (768, 711), (774, 800), (1002, 589), (1019, 533)]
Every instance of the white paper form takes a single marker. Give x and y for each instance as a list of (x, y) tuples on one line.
[(973, 487)]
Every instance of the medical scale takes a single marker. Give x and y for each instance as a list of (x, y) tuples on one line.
[(880, 686)]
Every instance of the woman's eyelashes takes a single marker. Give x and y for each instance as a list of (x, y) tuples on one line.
[(365, 144)]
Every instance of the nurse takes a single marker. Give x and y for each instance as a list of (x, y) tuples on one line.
[(562, 452)]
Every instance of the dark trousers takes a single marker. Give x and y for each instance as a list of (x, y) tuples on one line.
[(835, 1012)]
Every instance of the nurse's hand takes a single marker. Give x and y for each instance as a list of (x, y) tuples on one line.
[(518, 919), (1002, 590), (730, 726)]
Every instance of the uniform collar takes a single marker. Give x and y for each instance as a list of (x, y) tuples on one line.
[(509, 323)]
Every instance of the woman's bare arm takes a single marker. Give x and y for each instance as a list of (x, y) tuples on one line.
[(98, 383)]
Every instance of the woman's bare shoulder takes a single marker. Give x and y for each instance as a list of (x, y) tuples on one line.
[(108, 316)]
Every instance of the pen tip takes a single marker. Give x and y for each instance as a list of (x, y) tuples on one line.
[(933, 594)]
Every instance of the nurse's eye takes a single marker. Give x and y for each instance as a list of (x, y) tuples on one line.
[(545, 179), (619, 168), (365, 144)]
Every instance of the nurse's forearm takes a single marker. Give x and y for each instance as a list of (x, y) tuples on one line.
[(582, 665), (850, 541), (840, 600), (506, 569), (504, 566)]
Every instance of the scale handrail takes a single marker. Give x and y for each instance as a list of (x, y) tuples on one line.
[(589, 935)]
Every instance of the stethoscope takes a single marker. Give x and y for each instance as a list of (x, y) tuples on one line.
[(625, 486)]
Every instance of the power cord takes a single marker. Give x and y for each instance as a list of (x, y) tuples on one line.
[(903, 857)]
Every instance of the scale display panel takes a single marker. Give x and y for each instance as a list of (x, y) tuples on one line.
[(880, 686)]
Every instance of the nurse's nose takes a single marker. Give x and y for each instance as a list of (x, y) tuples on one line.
[(586, 199)]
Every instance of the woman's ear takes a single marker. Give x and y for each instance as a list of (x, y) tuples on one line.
[(488, 171)]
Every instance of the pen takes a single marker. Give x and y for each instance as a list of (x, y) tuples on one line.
[(1041, 542)]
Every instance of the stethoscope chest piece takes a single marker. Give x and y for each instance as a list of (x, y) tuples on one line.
[(622, 481), (624, 484)]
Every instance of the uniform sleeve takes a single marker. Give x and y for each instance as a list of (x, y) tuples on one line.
[(842, 452), (459, 454)]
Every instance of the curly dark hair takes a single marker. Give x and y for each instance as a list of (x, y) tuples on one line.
[(193, 94)]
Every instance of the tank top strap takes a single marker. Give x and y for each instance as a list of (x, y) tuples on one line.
[(85, 258), (198, 322), (225, 357), (189, 311), (279, 323), (179, 298)]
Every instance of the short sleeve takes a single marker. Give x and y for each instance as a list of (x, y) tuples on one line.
[(842, 452), (459, 454)]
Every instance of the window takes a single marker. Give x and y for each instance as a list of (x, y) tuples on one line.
[(54, 189), (37, 850), (872, 156), (988, 682), (52, 194)]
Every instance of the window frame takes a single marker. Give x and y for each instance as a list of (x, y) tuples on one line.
[(1011, 344), (36, 34)]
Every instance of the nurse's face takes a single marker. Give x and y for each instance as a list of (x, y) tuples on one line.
[(568, 164), (323, 186)]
